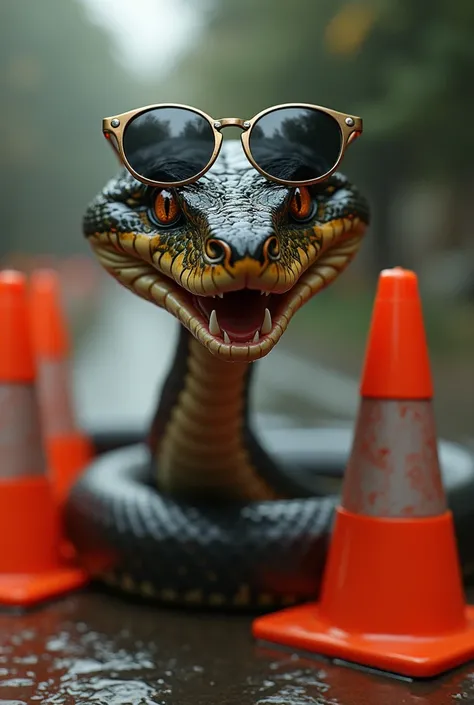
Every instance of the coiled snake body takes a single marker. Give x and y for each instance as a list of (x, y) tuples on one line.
[(202, 514)]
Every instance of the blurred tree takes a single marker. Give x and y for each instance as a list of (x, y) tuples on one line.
[(58, 80), (417, 87), (403, 66)]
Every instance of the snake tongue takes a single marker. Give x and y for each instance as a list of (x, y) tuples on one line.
[(239, 313)]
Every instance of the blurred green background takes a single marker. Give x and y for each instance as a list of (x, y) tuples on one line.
[(405, 67)]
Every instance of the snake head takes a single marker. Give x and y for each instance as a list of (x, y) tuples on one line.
[(232, 256)]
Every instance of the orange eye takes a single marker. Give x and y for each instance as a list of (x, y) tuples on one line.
[(301, 204), (166, 208)]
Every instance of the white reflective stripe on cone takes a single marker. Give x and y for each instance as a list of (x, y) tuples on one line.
[(21, 445), (55, 401), (393, 469)]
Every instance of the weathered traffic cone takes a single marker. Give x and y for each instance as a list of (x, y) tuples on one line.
[(392, 595), (30, 563), (67, 448)]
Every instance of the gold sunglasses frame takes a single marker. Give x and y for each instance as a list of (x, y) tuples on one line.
[(114, 128)]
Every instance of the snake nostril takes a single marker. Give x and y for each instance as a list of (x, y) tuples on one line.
[(217, 251), (271, 249)]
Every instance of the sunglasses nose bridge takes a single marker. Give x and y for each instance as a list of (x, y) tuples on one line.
[(231, 122)]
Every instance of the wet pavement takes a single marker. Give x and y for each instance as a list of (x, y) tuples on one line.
[(98, 648)]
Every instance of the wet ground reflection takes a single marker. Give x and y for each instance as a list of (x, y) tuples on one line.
[(97, 648)]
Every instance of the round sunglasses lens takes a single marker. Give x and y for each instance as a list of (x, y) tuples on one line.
[(168, 144), (296, 144)]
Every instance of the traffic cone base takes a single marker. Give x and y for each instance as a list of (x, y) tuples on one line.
[(306, 629), (25, 590), (394, 573)]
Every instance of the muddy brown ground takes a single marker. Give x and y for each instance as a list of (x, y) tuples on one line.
[(96, 648)]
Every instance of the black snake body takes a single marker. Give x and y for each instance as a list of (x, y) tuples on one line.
[(201, 514)]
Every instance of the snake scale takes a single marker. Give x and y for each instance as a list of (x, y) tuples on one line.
[(201, 514)]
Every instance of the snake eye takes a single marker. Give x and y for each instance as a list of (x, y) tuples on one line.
[(166, 210), (301, 204)]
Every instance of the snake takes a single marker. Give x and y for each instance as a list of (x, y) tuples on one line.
[(201, 513)]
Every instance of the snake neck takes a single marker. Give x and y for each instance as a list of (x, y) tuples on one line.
[(200, 439)]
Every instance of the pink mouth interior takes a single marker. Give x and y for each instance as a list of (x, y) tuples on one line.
[(239, 313)]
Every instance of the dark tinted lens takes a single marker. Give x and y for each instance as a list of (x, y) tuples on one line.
[(296, 144), (168, 144)]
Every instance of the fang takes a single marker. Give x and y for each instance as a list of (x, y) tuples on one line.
[(267, 323), (213, 324)]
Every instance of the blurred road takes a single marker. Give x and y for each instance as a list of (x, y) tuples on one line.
[(123, 359)]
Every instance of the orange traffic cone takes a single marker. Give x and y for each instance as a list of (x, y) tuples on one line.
[(392, 596), (67, 448), (30, 568)]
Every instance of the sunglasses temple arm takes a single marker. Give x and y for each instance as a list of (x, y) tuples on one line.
[(110, 139), (353, 136)]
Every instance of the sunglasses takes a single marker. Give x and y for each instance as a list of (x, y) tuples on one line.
[(171, 145)]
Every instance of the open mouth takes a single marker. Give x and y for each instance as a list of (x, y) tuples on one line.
[(242, 317), (244, 324)]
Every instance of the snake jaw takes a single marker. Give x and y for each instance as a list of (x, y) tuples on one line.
[(271, 309), (205, 315)]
